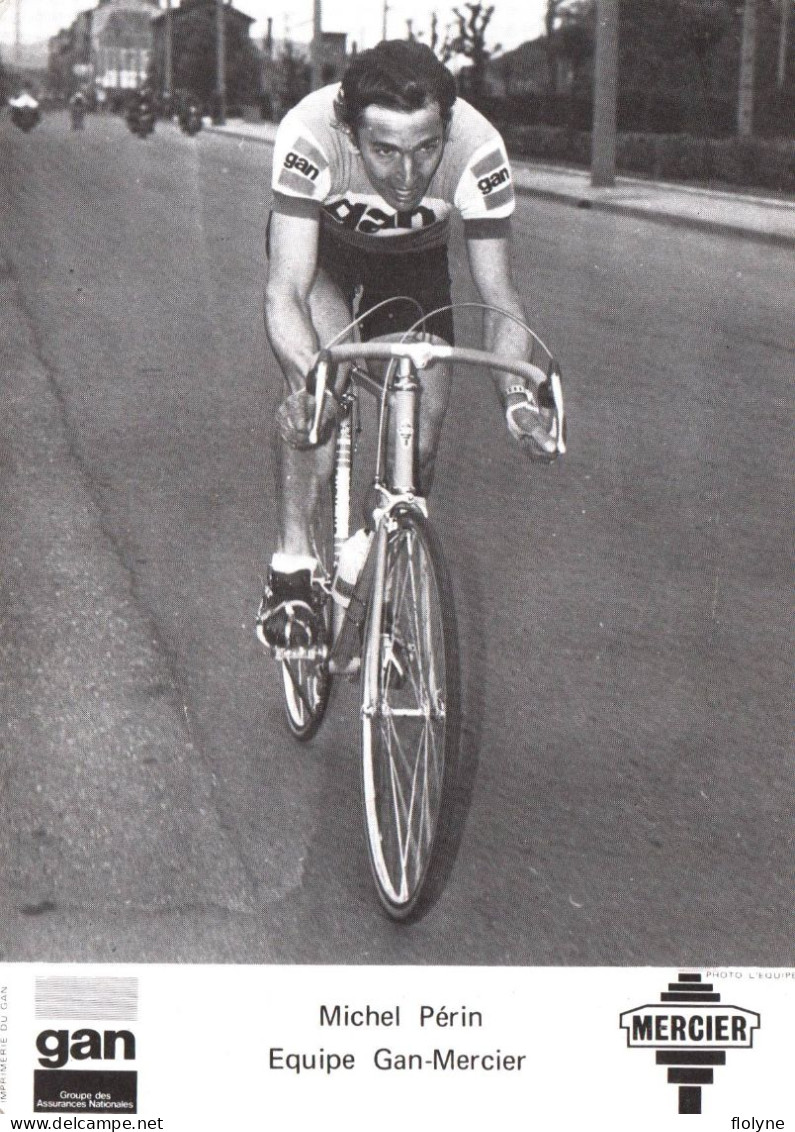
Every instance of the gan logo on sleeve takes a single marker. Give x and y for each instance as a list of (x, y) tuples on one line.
[(301, 168), (494, 179)]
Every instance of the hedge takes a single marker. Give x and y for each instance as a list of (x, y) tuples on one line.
[(750, 163)]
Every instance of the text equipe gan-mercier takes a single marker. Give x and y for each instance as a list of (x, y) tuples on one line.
[(440, 1016), (331, 1061)]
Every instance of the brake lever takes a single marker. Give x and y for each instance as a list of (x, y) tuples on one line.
[(319, 373), (557, 398)]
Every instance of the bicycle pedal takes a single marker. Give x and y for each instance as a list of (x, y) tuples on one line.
[(312, 652)]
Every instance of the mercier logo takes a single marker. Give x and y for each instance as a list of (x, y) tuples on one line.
[(691, 1030), (63, 1083)]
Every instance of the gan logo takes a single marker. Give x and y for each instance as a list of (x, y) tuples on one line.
[(691, 1030), (360, 217), (301, 165), (494, 180), (64, 1082), (58, 1046)]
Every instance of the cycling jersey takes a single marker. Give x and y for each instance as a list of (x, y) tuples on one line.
[(314, 160)]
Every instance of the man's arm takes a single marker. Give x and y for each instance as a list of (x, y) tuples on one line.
[(288, 319), (488, 249), (489, 260)]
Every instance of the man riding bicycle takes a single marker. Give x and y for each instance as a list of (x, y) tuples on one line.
[(366, 175)]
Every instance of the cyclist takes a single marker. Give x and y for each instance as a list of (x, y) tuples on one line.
[(366, 175)]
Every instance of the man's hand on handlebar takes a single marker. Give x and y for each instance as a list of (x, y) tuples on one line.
[(295, 417), (532, 421)]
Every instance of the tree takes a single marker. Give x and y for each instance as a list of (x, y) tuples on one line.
[(295, 76), (565, 24), (550, 24), (702, 26), (603, 160), (745, 102), (667, 47), (680, 63), (469, 39), (576, 39), (781, 66)]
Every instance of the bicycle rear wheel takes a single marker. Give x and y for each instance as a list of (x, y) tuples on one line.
[(306, 679), (410, 720), (307, 685)]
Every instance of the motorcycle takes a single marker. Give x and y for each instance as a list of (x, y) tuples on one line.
[(25, 112), (141, 118), (190, 120), (77, 112)]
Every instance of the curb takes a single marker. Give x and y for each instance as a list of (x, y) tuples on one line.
[(701, 224), (225, 132), (575, 200)]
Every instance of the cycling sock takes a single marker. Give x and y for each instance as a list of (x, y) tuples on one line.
[(285, 563)]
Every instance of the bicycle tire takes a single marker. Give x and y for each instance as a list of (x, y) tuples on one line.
[(307, 687), (410, 721), (307, 682)]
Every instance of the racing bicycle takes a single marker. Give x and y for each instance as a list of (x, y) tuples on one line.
[(398, 633)]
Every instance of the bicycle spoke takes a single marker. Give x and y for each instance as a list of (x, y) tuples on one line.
[(298, 683), (406, 734)]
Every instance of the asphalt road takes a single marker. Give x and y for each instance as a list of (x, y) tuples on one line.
[(625, 617)]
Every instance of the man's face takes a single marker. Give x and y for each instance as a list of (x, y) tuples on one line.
[(401, 151)]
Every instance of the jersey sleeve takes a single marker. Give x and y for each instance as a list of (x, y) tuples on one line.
[(485, 189), (301, 167)]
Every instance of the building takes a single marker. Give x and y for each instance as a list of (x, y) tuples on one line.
[(121, 43), (194, 53), (106, 49), (525, 71), (70, 63)]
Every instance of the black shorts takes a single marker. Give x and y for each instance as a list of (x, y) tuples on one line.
[(421, 279), (417, 282)]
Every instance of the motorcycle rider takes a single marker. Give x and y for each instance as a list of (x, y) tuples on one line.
[(141, 113), (77, 109), (25, 110)]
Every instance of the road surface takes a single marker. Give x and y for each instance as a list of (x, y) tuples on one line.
[(624, 615)]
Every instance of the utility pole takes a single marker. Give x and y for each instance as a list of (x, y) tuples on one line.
[(603, 146), (317, 45), (781, 70), (384, 19), (220, 86), (745, 102), (17, 32), (168, 81)]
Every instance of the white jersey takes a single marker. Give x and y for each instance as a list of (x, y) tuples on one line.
[(314, 160)]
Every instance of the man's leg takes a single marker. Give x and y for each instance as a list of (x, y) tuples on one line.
[(434, 399), (290, 609), (302, 475)]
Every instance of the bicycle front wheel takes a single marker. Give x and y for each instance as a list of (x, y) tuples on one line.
[(410, 719)]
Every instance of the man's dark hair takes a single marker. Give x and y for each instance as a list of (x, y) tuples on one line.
[(399, 74)]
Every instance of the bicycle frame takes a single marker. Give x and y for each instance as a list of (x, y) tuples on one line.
[(397, 394)]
